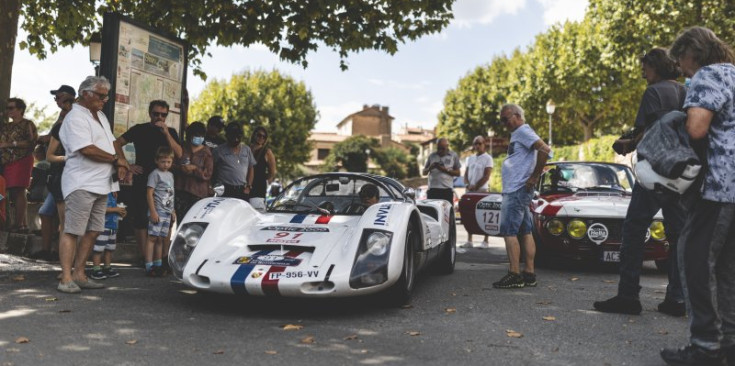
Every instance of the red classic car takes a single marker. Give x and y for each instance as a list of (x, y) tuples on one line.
[(578, 213)]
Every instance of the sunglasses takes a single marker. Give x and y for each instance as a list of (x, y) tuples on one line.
[(261, 135), (506, 118), (103, 97), (159, 114)]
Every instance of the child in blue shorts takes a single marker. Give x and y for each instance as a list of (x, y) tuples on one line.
[(160, 196), (106, 241)]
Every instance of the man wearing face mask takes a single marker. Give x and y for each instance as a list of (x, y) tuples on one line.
[(193, 171), (234, 163), (147, 138)]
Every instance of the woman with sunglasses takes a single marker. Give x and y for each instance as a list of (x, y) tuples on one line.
[(265, 167), (17, 140)]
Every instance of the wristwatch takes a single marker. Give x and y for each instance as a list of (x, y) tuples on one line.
[(114, 161)]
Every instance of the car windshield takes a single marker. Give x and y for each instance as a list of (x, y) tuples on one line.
[(588, 177), (327, 194)]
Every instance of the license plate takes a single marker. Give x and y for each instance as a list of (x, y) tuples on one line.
[(295, 274), (611, 256)]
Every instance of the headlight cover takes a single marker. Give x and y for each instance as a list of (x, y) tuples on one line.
[(371, 260), (577, 229), (555, 227), (183, 245), (657, 230)]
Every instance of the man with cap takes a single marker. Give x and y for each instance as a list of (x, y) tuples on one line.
[(233, 164), (214, 128), (147, 138)]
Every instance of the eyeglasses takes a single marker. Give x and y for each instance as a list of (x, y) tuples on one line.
[(261, 135), (159, 114), (477, 143), (103, 97), (505, 119)]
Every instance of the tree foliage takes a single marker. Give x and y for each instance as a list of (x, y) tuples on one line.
[(280, 104), (352, 154), (393, 162)]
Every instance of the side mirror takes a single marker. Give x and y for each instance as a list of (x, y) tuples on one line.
[(219, 190), (410, 192)]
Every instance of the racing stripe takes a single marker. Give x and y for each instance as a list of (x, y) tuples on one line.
[(237, 282), (269, 286), (324, 219), (299, 218)]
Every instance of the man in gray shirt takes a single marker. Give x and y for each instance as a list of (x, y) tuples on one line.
[(233, 164), (442, 166)]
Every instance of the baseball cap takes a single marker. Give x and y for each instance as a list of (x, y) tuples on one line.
[(216, 121), (65, 89)]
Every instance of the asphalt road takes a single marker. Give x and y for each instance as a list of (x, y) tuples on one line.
[(456, 319)]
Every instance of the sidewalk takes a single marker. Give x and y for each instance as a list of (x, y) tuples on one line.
[(23, 245)]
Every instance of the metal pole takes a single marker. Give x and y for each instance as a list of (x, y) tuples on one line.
[(550, 141)]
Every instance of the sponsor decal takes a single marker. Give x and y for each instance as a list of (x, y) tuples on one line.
[(269, 284), (285, 238), (487, 214), (299, 218), (209, 207), (256, 274), (598, 233), (268, 260), (381, 219), (237, 281), (304, 229)]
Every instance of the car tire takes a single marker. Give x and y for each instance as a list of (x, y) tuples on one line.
[(446, 260), (400, 293), (662, 265)]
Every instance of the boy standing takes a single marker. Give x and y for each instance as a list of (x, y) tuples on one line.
[(160, 196), (106, 241)]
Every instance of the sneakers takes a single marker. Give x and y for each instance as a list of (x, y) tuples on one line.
[(485, 244), (620, 305), (467, 244), (110, 272), (692, 355), (98, 275), (510, 280), (672, 308), (529, 279), (68, 288)]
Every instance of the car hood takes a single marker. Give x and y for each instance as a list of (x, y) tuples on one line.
[(599, 206)]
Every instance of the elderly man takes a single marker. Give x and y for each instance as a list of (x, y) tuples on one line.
[(527, 155), (442, 166), (477, 175), (93, 166)]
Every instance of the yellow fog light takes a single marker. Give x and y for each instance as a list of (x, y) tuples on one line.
[(555, 226), (657, 230), (577, 229)]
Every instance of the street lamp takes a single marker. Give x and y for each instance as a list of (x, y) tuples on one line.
[(550, 108), (95, 52), (367, 160)]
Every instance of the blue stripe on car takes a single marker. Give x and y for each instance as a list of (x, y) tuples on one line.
[(237, 282), (298, 219)]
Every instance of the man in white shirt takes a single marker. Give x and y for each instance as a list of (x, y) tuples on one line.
[(93, 166), (477, 175)]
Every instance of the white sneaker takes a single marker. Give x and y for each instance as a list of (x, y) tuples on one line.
[(485, 245), (460, 250), (467, 244)]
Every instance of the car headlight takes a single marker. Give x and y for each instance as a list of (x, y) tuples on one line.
[(183, 245), (555, 227), (657, 230), (577, 229), (371, 260)]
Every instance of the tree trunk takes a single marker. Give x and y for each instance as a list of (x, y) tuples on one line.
[(587, 131), (9, 11)]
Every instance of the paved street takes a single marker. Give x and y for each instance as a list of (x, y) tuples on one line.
[(457, 319)]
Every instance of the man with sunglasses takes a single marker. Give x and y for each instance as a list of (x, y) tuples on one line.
[(147, 138)]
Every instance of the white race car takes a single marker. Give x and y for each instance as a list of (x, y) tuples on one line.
[(316, 239)]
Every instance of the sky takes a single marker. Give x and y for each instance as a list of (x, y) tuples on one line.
[(412, 82)]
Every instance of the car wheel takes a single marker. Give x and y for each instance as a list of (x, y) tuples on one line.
[(400, 293), (448, 257), (662, 265)]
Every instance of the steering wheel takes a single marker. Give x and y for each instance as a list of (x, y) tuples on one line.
[(553, 188), (327, 205)]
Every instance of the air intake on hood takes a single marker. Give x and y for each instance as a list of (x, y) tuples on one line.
[(259, 247)]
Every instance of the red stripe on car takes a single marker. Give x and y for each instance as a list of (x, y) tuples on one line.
[(550, 210), (269, 286), (324, 219)]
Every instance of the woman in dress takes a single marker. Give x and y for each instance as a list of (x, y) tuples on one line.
[(17, 140), (265, 167)]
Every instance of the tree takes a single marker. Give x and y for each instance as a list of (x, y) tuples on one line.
[(41, 117), (393, 162), (280, 104), (289, 28), (352, 154)]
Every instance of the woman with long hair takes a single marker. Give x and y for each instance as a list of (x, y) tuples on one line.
[(193, 171), (265, 167), (17, 140)]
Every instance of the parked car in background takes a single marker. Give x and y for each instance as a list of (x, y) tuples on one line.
[(578, 213), (421, 195)]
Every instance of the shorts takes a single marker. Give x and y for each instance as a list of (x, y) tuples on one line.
[(515, 213), (258, 203), (161, 227), (17, 174), (85, 211), (48, 208), (106, 241)]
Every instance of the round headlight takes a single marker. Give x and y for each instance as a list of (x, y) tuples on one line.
[(555, 226), (192, 234), (657, 230), (577, 229), (377, 243)]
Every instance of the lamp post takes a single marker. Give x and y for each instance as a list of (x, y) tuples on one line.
[(95, 52), (550, 108), (367, 160)]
